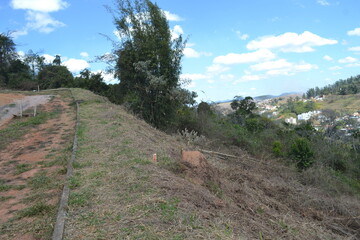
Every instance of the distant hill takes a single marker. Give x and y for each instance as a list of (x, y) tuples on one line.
[(262, 97)]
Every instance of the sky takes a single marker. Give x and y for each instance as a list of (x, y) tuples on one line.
[(234, 47)]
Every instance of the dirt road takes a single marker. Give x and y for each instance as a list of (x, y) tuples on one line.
[(11, 104)]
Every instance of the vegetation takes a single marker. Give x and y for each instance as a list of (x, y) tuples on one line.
[(148, 63), (341, 87)]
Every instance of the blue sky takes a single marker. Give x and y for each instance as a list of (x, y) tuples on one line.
[(235, 47)]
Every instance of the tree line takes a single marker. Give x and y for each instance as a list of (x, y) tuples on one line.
[(340, 87)]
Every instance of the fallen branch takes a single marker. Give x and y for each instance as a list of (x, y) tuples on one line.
[(218, 153)]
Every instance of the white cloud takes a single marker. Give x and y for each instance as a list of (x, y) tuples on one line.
[(108, 77), (37, 15), (253, 89), (357, 64), (248, 78), (19, 33), (192, 53), (291, 42), (48, 58), (42, 22), (176, 31), (193, 76), (217, 69), (227, 77), (191, 85), (172, 17), (355, 32), (76, 65), (283, 67), (234, 58), (335, 68), (39, 5), (278, 64), (354, 49), (348, 60), (242, 36), (323, 2), (84, 54), (327, 58)]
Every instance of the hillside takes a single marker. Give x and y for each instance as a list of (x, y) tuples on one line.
[(118, 192), (342, 103)]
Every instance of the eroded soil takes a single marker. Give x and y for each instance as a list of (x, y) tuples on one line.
[(27, 164)]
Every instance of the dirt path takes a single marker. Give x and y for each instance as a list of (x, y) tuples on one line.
[(14, 104), (26, 164)]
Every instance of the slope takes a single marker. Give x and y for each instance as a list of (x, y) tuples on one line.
[(117, 192), (33, 156)]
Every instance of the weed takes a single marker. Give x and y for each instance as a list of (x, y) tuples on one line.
[(35, 210), (21, 168), (74, 181), (40, 181), (5, 198), (215, 188), (80, 199), (169, 209)]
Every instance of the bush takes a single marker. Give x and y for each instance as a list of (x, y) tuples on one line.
[(277, 149), (301, 152)]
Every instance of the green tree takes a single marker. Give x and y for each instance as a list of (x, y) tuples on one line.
[(243, 106), (53, 76), (35, 62), (148, 62), (302, 153), (91, 81), (57, 60), (7, 56)]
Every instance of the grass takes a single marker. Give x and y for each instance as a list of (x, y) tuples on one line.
[(21, 168), (43, 189), (36, 210), (117, 192)]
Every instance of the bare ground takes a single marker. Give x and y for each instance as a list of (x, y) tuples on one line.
[(15, 104), (119, 193), (32, 170)]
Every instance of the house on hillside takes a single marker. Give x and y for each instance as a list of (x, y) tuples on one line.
[(306, 116), (291, 120)]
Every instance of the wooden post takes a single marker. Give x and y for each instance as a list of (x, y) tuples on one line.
[(21, 109), (35, 110)]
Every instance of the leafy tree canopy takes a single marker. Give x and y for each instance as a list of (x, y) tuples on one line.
[(148, 62)]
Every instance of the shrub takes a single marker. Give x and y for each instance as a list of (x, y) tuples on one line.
[(301, 152), (277, 149)]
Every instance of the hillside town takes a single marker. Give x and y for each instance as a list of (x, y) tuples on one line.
[(345, 123)]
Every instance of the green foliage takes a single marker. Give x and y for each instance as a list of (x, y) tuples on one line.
[(148, 63), (53, 76), (341, 87), (302, 153), (277, 149), (91, 81), (243, 106), (298, 107)]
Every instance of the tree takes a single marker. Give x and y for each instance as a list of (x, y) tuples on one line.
[(35, 62), (57, 60), (91, 81), (148, 62), (7, 55), (53, 76), (244, 106)]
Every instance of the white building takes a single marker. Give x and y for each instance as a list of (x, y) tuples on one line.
[(306, 116), (290, 120)]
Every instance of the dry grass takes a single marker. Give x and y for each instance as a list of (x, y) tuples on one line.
[(118, 193), (339, 103), (34, 157)]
